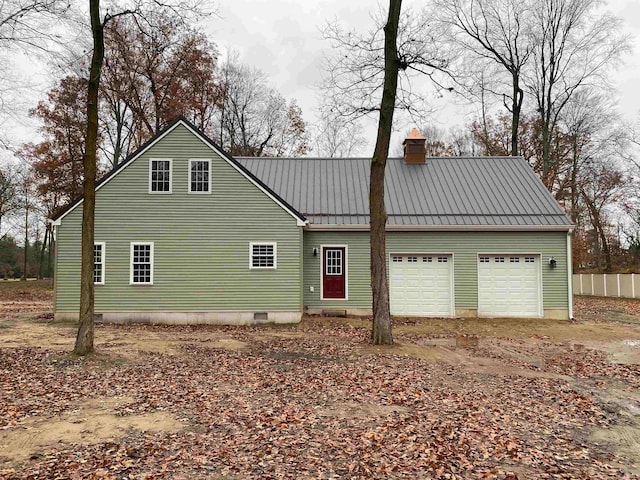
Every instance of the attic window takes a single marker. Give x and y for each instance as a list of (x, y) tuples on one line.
[(160, 175), (199, 176)]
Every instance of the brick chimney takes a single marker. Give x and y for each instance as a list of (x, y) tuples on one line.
[(414, 147)]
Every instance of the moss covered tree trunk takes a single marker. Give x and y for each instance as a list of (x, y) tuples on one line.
[(381, 331), (84, 339)]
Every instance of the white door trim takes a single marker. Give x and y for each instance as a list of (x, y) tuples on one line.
[(345, 265)]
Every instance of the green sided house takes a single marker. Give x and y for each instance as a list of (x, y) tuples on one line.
[(185, 233)]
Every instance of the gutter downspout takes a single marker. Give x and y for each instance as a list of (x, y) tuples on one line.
[(570, 275)]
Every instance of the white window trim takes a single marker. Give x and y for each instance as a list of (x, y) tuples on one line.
[(131, 282), (170, 160), (191, 160), (275, 256), (103, 245), (345, 268)]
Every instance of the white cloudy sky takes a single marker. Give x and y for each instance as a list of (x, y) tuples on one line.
[(282, 38)]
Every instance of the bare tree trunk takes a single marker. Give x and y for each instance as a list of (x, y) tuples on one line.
[(84, 339), (381, 332), (42, 250), (516, 107), (25, 264)]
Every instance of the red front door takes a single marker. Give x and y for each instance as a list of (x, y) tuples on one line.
[(333, 272)]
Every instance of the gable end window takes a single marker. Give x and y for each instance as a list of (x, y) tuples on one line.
[(141, 263), (262, 255), (98, 263), (199, 176), (160, 175)]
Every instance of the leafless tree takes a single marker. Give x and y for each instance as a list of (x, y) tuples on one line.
[(573, 48), (337, 137), (491, 35), (381, 328), (30, 24), (255, 119), (353, 81), (8, 192)]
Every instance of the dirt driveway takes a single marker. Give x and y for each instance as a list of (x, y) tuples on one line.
[(533, 399)]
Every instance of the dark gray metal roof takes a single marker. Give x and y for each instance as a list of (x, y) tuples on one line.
[(474, 191)]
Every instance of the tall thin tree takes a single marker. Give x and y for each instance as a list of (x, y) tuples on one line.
[(381, 331), (84, 339)]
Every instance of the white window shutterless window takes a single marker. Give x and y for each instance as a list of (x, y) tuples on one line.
[(263, 255), (160, 170), (98, 263), (199, 176), (141, 263)]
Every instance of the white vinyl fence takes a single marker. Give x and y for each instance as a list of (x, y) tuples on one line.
[(607, 284)]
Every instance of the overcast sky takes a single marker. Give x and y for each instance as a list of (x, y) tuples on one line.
[(282, 38)]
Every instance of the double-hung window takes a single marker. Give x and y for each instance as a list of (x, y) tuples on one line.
[(262, 255), (98, 263), (160, 175), (141, 263), (199, 176)]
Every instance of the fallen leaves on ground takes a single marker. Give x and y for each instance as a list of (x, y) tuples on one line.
[(284, 408)]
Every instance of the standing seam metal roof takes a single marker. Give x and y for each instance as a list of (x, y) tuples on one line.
[(492, 191)]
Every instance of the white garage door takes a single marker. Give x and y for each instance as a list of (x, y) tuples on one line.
[(421, 285), (509, 286)]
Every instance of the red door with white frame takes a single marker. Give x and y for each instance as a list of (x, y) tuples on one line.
[(334, 273)]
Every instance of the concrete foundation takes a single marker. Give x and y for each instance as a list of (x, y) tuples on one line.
[(190, 318)]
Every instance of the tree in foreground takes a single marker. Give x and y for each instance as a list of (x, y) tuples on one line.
[(84, 338), (381, 332), (372, 74)]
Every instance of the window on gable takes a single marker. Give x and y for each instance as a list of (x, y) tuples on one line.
[(199, 176), (141, 264), (263, 255), (98, 263), (160, 176)]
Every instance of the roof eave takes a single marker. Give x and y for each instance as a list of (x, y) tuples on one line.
[(442, 228)]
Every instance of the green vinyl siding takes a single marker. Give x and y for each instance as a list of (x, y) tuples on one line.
[(201, 241), (464, 246)]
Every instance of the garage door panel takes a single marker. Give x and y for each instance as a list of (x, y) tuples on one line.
[(421, 285), (509, 285)]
